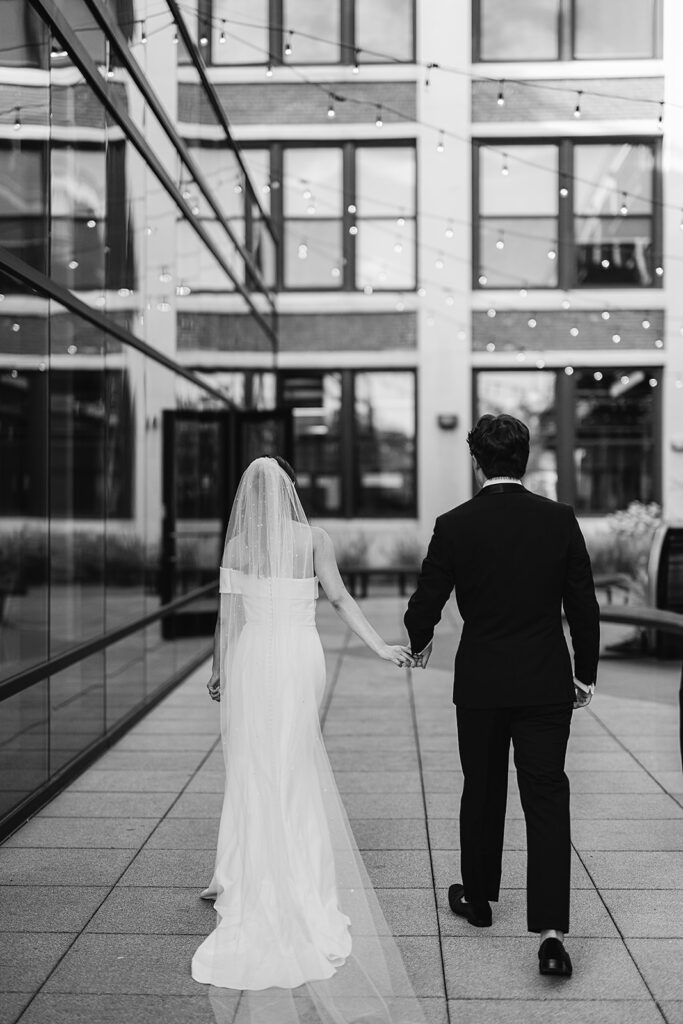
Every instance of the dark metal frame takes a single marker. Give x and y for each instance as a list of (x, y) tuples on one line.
[(348, 438), (566, 35), (566, 266), (565, 399)]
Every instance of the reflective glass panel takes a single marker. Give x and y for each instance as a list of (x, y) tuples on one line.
[(615, 28), (614, 251), (385, 27), (314, 19), (315, 399), (385, 254), (76, 709), (239, 32), (313, 253), (518, 252), (385, 181), (530, 397), (519, 29), (385, 443), (312, 185), (611, 175), (24, 200), (614, 444), (24, 744), (521, 181), (24, 36)]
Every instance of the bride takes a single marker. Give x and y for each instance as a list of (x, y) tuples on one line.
[(293, 900)]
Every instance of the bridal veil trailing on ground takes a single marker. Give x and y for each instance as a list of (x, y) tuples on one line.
[(299, 928)]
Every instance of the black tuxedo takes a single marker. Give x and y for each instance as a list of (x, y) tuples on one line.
[(514, 559)]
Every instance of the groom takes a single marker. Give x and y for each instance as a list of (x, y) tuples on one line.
[(514, 559)]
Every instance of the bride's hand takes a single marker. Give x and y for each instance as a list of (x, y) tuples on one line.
[(397, 653), (214, 688)]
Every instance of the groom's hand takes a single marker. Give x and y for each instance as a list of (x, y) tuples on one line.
[(582, 694), (422, 659)]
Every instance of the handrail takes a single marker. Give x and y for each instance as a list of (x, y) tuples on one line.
[(23, 680)]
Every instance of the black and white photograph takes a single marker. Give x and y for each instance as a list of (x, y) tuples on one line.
[(341, 512)]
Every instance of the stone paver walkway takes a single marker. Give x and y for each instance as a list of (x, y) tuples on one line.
[(99, 907)]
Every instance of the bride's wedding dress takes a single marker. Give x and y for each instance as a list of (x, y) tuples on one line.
[(293, 900)]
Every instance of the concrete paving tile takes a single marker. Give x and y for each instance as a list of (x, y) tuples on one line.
[(368, 725), (473, 965), (383, 805), (86, 833), (660, 962), (628, 835), (48, 908), (184, 834), (673, 1010), (378, 744), (184, 868), (588, 915), (442, 782), (672, 781), (423, 964), (444, 834), (97, 780), (77, 804), (378, 782), (22, 866), (206, 781), (179, 724), (624, 806), (591, 762), (389, 834), (154, 911), (11, 1006), (641, 870), (57, 1008), (26, 958), (145, 743), (373, 760), (150, 760), (101, 964), (660, 760), (654, 741), (446, 866), (398, 869), (646, 913), (409, 911), (613, 782), (559, 1010), (197, 805)]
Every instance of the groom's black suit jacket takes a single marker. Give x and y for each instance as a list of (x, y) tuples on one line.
[(514, 558)]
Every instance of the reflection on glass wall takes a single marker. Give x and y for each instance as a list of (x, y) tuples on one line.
[(530, 397), (385, 439)]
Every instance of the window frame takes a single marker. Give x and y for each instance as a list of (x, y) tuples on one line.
[(278, 32), (347, 219), (566, 38), (565, 404), (567, 277), (350, 484)]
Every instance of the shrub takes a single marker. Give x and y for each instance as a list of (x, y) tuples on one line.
[(351, 550)]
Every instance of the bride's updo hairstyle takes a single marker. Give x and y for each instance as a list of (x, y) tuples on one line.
[(284, 465), (500, 444)]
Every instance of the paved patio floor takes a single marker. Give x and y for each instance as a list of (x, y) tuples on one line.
[(99, 907)]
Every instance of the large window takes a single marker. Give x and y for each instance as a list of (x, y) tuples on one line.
[(307, 31), (345, 213), (567, 214), (593, 431), (354, 440), (509, 30)]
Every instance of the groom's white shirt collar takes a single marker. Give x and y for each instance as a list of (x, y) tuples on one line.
[(502, 480)]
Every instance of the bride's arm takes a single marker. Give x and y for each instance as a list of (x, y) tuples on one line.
[(327, 571)]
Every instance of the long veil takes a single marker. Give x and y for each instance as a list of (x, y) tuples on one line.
[(292, 844)]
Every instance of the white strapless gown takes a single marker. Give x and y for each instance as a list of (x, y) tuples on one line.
[(284, 844)]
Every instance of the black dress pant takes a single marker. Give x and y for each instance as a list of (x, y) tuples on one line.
[(539, 737)]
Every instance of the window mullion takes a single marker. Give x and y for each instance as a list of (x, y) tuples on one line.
[(565, 217), (566, 26), (275, 30), (349, 219), (348, 31), (565, 437), (277, 212), (348, 445)]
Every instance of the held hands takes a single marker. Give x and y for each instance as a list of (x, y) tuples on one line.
[(214, 687), (422, 659), (582, 698), (398, 653)]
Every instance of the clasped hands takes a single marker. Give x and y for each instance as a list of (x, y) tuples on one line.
[(403, 656)]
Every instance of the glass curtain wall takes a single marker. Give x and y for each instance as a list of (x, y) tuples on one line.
[(97, 220)]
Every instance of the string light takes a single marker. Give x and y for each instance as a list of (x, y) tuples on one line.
[(505, 170), (269, 70), (440, 144), (659, 271), (174, 41), (483, 279), (623, 209), (398, 246), (660, 118), (564, 191), (491, 313), (353, 230), (351, 208), (378, 117), (532, 322), (355, 69), (501, 95), (500, 241), (302, 251), (288, 44), (653, 382), (438, 263), (449, 232), (143, 33), (577, 108), (523, 292), (551, 254), (566, 304), (597, 375), (73, 264), (203, 40), (331, 113), (422, 291), (604, 264), (605, 314), (428, 80), (221, 38), (646, 324), (616, 338), (574, 331), (569, 370), (17, 119), (540, 363), (400, 222), (491, 347), (659, 343)]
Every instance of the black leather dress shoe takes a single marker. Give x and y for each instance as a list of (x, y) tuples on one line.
[(553, 958), (478, 914)]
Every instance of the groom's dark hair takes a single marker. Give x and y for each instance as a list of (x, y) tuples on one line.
[(500, 444)]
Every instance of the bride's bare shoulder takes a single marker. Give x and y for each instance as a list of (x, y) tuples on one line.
[(322, 542)]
